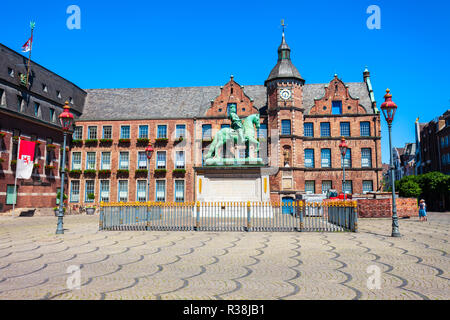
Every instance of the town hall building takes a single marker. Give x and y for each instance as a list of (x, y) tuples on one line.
[(301, 128), (301, 125)]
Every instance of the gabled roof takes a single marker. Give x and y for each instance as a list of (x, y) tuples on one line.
[(187, 102)]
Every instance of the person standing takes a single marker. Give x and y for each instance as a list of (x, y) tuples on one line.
[(422, 210)]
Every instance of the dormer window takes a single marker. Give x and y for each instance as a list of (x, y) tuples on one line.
[(70, 100), (44, 87), (58, 94), (37, 110), (11, 72)]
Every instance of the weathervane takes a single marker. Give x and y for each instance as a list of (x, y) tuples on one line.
[(282, 24)]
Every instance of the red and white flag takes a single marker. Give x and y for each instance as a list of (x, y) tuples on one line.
[(25, 162), (27, 46)]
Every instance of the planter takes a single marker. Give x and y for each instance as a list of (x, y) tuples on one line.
[(161, 140), (160, 172), (104, 172), (51, 146), (90, 172), (90, 142), (124, 141), (90, 211), (77, 142), (142, 141)]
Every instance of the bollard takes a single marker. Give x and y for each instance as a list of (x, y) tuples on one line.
[(248, 216)]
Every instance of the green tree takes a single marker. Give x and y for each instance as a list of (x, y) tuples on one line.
[(409, 189)]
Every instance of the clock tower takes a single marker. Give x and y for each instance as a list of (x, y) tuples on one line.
[(285, 116)]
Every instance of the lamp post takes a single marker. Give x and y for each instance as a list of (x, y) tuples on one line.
[(343, 148), (66, 119), (389, 107), (149, 152)]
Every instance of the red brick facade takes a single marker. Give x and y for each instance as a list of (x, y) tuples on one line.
[(382, 208)]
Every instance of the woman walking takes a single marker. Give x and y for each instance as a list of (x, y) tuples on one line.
[(422, 211)]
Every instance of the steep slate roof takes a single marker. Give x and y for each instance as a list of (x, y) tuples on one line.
[(187, 102)]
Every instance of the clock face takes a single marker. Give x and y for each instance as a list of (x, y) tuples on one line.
[(285, 94)]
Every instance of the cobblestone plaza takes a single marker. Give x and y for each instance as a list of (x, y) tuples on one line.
[(227, 265)]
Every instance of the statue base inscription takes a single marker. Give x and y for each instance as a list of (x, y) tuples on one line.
[(234, 162)]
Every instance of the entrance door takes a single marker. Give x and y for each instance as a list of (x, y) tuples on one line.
[(287, 206)]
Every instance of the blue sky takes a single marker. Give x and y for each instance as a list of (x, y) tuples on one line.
[(200, 43)]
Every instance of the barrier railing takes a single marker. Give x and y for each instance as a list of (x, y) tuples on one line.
[(230, 216)]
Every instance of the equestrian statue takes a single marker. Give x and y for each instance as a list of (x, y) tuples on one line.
[(240, 133)]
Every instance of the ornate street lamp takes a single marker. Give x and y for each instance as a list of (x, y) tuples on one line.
[(389, 107), (149, 152), (66, 119), (343, 148)]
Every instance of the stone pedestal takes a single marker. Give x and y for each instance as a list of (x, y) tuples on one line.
[(231, 185)]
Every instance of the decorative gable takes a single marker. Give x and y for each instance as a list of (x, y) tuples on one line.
[(230, 93), (337, 100)]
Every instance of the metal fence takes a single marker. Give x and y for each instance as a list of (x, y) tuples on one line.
[(230, 216)]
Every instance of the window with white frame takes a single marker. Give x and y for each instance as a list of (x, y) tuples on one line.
[(161, 160), (179, 190), (345, 129), (347, 186), (89, 189), (125, 132), (262, 131), (366, 158), (122, 190), (180, 131), (143, 131), (90, 161), (141, 190), (367, 186), (325, 158), (308, 129), (106, 161), (179, 160), (206, 132), (326, 185), (142, 160), (310, 186), (325, 129), (92, 132), (365, 128), (286, 127), (347, 160), (309, 158), (75, 191), (104, 190), (161, 131), (107, 132), (76, 160), (124, 160), (77, 133), (160, 190)]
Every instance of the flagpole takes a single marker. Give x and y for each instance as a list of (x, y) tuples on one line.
[(15, 177), (31, 47)]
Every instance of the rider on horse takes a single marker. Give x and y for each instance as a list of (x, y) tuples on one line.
[(236, 123)]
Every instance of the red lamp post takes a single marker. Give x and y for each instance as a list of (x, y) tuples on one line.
[(149, 152), (389, 107), (66, 120), (343, 148)]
